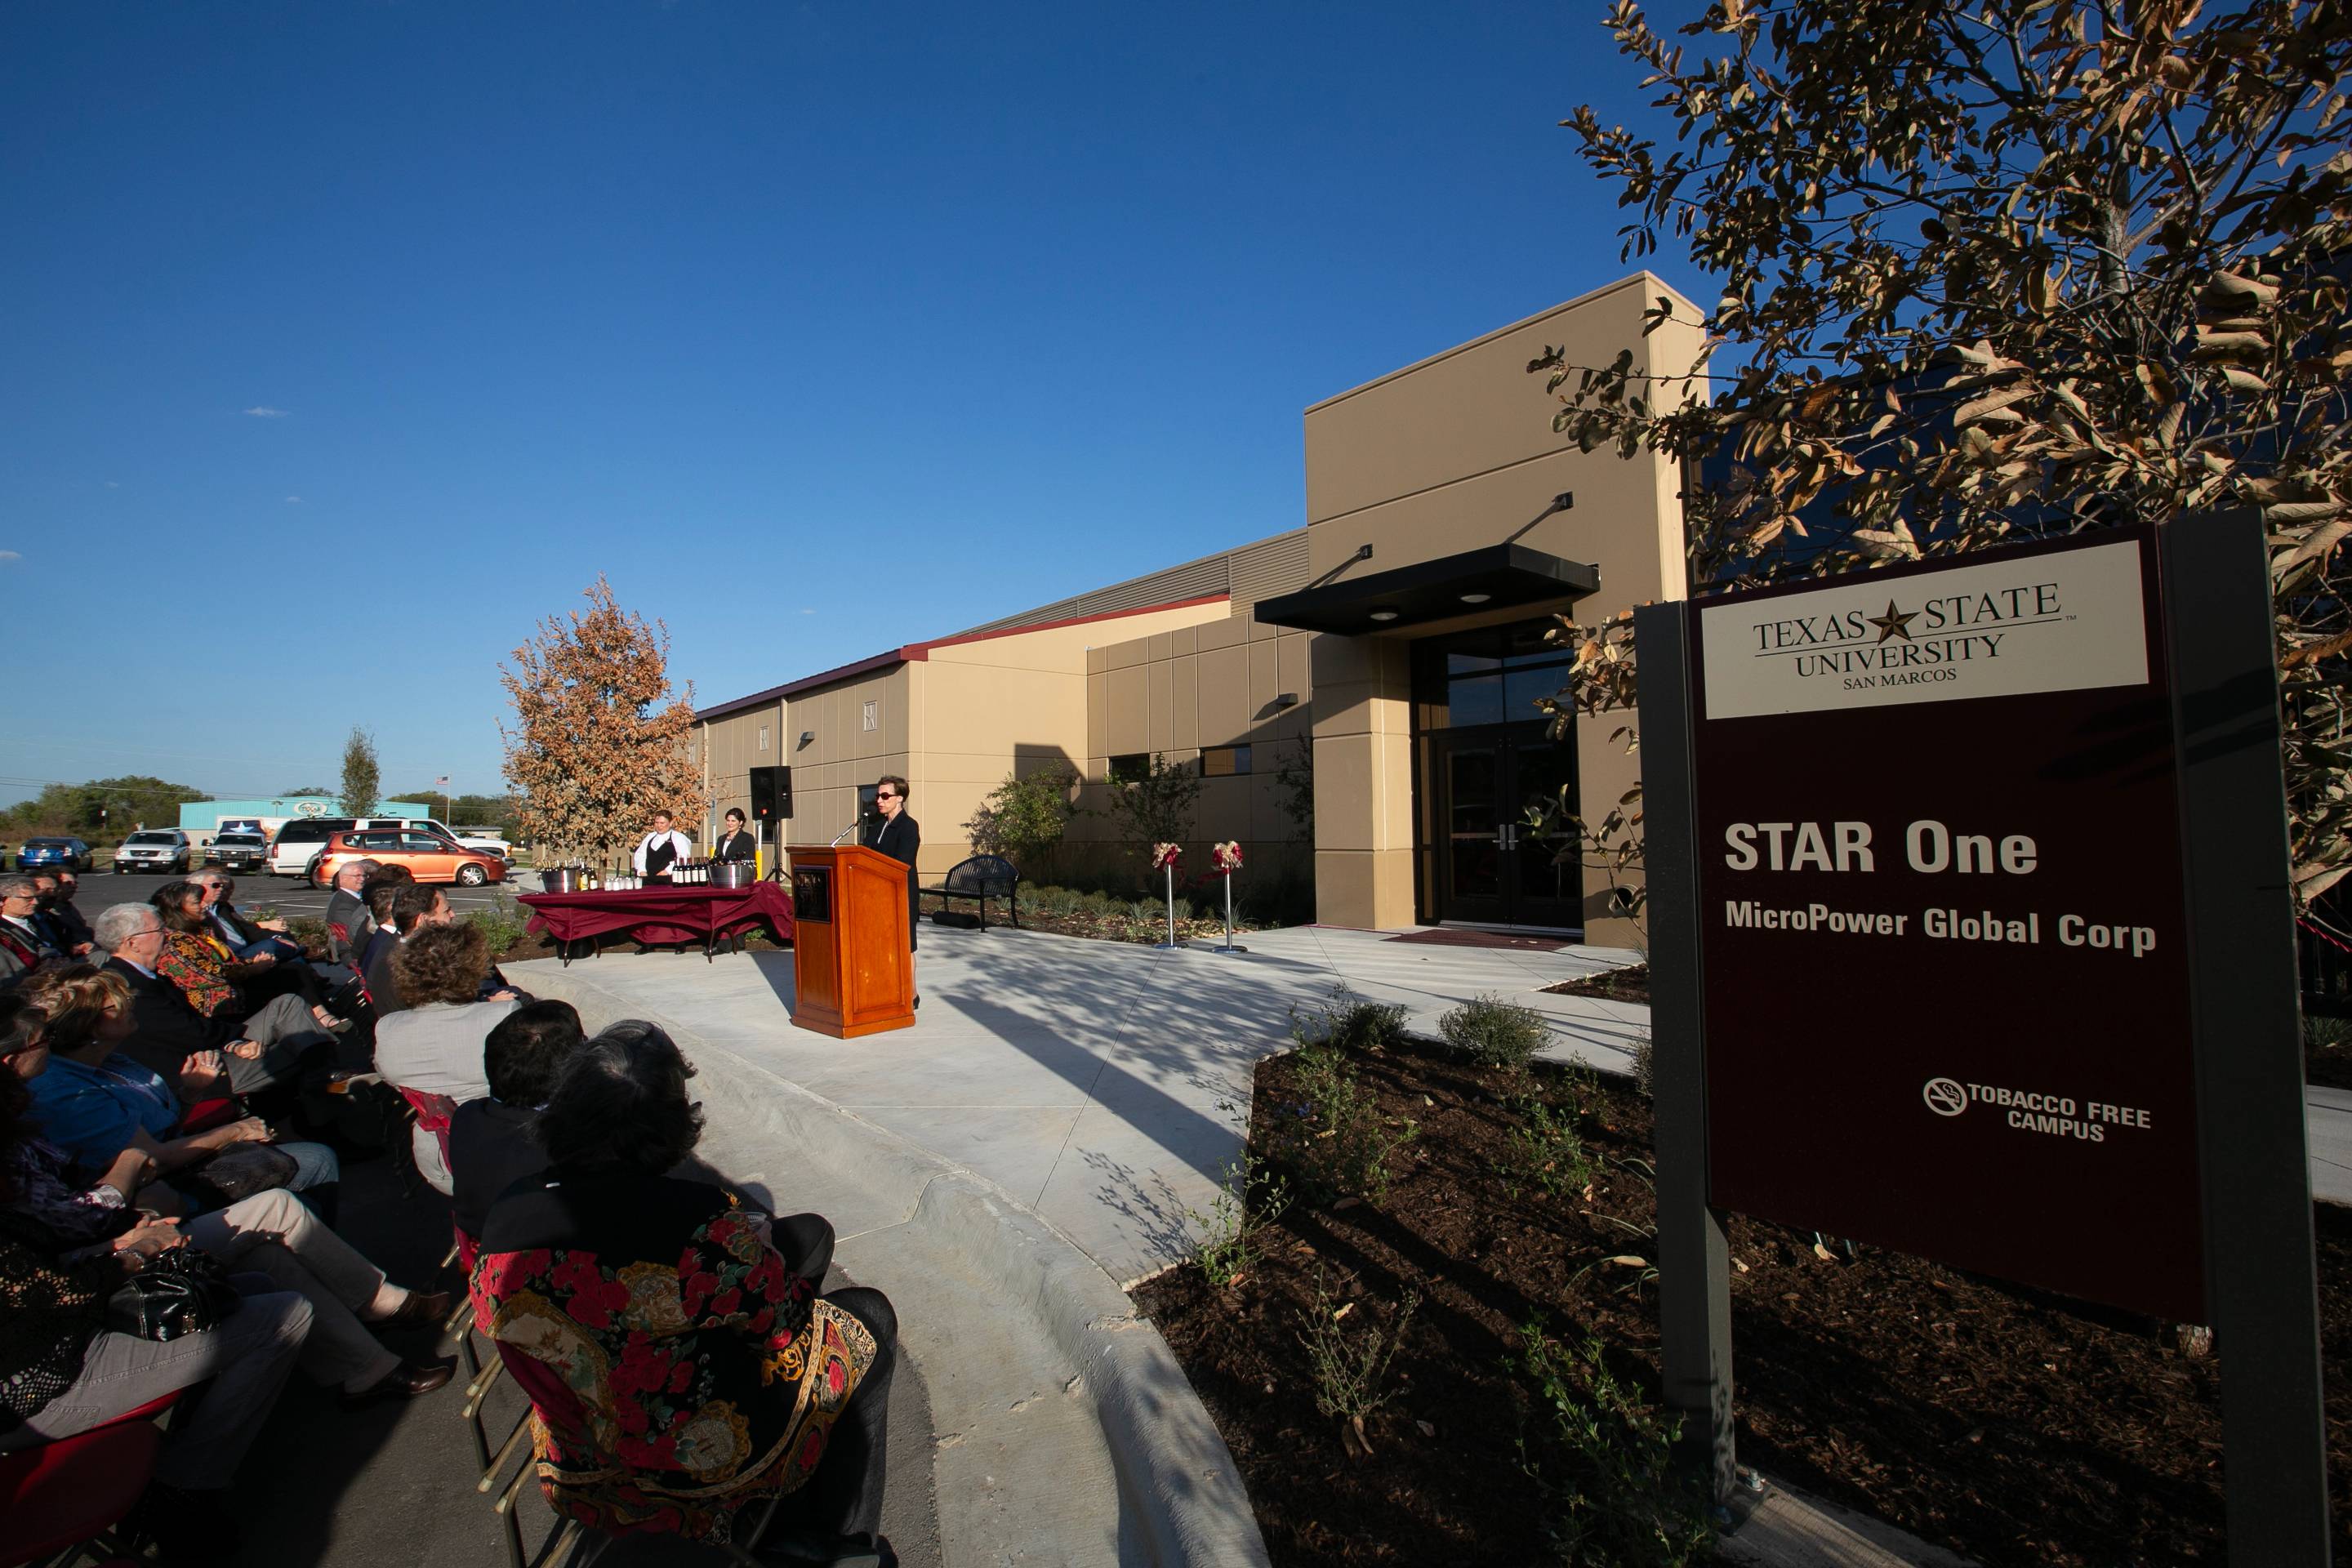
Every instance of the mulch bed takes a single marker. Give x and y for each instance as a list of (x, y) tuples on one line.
[(2002, 1423), (1631, 984)]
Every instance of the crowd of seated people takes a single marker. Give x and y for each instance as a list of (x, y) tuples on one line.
[(150, 1110)]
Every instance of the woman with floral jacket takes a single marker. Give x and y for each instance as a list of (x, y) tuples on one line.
[(679, 1367)]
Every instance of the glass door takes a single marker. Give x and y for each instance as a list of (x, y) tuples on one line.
[(1494, 866), (1470, 810)]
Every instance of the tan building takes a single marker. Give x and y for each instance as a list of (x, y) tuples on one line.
[(1396, 640)]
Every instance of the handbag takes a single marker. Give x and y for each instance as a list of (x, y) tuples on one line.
[(182, 1292), (237, 1173)]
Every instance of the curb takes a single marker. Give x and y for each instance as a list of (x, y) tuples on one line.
[(1180, 1501)]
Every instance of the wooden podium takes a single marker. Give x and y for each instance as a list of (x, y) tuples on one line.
[(852, 973)]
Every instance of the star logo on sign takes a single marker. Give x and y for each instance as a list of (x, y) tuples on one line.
[(1893, 623)]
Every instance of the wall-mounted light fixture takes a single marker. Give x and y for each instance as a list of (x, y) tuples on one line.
[(1385, 613), (1476, 598), (808, 736), (1286, 699)]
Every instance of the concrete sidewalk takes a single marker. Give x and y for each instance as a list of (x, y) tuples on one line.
[(2327, 1119), (1105, 1085)]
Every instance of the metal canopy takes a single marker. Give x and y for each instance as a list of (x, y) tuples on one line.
[(1507, 575)]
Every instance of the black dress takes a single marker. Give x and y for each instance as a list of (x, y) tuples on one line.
[(902, 837)]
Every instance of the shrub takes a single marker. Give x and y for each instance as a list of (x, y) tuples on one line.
[(1606, 1465), (1024, 818), (1353, 1024), (1545, 1151), (1495, 1032), (1157, 807), (2321, 1033), (1644, 1065), (1335, 1141), (1230, 1231), (501, 924), (1349, 1365)]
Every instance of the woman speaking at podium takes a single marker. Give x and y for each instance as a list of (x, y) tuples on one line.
[(899, 837)]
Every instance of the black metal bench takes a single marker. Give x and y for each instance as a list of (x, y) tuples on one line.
[(981, 878)]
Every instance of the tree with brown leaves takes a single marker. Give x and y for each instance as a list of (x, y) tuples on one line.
[(1995, 270), (599, 742)]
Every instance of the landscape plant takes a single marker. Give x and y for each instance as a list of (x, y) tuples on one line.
[(1993, 271), (599, 738), (363, 779), (502, 925), (1025, 817), (1495, 1032), (1351, 1365), (1337, 1144), (1546, 1151), (1248, 1200), (1155, 807), (1605, 1458)]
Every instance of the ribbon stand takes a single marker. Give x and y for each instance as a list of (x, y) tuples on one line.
[(1230, 944), (1173, 940)]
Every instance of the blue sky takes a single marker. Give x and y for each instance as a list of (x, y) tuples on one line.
[(342, 342)]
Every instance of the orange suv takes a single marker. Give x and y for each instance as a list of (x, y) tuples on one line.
[(428, 856)]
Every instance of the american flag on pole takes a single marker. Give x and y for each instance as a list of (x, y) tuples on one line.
[(441, 783)]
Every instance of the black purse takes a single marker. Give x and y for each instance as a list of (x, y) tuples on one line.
[(237, 1173), (179, 1292)]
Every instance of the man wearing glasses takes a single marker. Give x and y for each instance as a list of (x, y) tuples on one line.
[(899, 836)]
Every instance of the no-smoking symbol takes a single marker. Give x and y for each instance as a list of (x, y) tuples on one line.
[(1944, 1096)]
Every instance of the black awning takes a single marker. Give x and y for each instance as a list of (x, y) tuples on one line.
[(1497, 577)]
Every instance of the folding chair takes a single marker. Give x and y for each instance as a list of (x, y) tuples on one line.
[(72, 1495)]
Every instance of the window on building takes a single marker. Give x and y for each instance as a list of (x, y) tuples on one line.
[(763, 737), (1223, 761), (873, 716), (1130, 768)]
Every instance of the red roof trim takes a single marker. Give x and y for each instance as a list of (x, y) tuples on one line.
[(920, 652)]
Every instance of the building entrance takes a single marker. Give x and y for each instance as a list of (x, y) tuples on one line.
[(1494, 786)]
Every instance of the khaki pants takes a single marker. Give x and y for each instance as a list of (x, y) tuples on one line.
[(275, 1234)]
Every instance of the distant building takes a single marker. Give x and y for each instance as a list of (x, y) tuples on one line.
[(1398, 639), (207, 815)]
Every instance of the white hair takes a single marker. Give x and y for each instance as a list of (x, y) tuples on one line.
[(117, 923)]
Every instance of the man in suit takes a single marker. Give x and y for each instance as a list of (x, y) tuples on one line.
[(349, 923), (68, 917), (273, 1045), (46, 920), (899, 836), (20, 932)]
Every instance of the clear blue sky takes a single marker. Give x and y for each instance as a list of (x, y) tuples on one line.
[(354, 337)]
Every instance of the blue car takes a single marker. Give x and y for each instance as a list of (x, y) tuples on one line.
[(53, 854)]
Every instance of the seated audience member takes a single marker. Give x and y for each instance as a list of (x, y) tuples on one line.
[(269, 1047), (63, 1371), (382, 930), (199, 964), (65, 913), (67, 936), (492, 1142), (245, 939), (717, 1329), (433, 1045), (270, 1234), (93, 1101), (417, 907), (349, 923), (20, 937)]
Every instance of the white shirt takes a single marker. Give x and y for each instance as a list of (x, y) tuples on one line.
[(680, 845)]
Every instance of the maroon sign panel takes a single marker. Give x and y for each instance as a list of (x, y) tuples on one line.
[(1942, 918)]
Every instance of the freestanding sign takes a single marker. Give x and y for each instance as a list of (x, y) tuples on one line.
[(1971, 938), (1946, 797)]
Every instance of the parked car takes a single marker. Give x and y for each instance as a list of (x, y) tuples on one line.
[(156, 849), (238, 853), (488, 840), (53, 854), (299, 841), (429, 857)]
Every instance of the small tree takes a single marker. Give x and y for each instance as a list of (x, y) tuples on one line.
[(599, 738), (361, 778), (1024, 819), (309, 792), (1992, 271), (1294, 786), (1156, 807)]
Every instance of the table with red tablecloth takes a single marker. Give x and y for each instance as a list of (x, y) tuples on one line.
[(659, 917)]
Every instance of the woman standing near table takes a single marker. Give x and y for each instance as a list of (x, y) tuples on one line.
[(736, 843)]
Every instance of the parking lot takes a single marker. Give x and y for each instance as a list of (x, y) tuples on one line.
[(288, 895)]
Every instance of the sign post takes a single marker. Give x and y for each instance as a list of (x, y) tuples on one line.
[(1971, 937)]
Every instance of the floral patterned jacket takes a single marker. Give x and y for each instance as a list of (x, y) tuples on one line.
[(198, 965), (678, 1370)]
